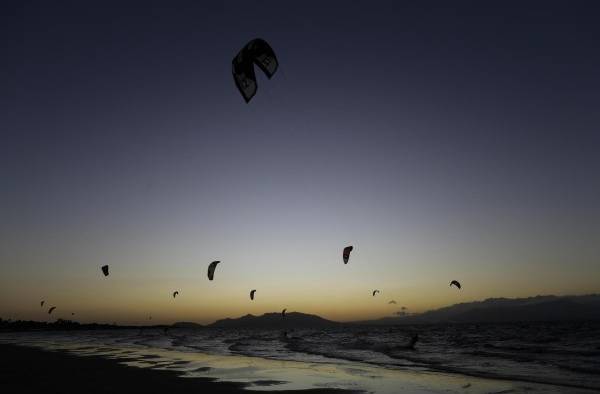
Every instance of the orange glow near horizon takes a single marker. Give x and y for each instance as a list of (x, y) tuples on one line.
[(129, 300)]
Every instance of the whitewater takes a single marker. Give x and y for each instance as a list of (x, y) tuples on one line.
[(508, 358)]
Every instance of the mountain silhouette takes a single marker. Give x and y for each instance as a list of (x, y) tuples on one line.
[(275, 321), (186, 324), (504, 310), (492, 310)]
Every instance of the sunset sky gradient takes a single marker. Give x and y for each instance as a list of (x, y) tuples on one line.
[(444, 140)]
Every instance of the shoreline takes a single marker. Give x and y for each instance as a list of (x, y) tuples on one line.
[(27, 369), (81, 366)]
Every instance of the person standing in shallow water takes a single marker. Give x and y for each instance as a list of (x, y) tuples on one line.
[(413, 341)]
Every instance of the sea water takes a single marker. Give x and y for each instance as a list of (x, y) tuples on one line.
[(540, 357)]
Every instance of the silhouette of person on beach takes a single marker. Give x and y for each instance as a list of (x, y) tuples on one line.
[(413, 341)]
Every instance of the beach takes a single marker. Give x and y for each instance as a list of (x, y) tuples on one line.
[(26, 369), (118, 361)]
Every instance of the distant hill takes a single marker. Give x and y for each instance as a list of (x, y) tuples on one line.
[(186, 324), (275, 321), (492, 310), (500, 310)]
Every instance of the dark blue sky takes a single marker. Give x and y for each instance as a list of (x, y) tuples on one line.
[(440, 138)]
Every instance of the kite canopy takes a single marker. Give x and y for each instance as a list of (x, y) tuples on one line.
[(258, 52), (252, 294), (211, 269), (455, 283), (375, 292), (105, 270), (42, 304), (51, 309), (392, 302), (175, 294), (346, 253)]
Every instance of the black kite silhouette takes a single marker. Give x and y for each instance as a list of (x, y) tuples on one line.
[(211, 269), (258, 52), (346, 253)]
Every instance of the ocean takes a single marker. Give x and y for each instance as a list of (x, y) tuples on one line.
[(540, 357)]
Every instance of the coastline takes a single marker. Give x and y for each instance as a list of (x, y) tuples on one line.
[(28, 370), (86, 364)]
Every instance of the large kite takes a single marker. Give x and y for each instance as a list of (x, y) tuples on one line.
[(211, 269), (258, 52), (346, 253)]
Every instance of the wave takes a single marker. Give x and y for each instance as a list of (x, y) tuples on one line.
[(559, 354)]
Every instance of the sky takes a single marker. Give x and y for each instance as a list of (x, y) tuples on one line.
[(444, 140)]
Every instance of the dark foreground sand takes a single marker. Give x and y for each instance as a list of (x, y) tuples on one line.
[(30, 370)]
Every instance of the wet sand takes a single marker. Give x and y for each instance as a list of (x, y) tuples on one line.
[(32, 370)]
